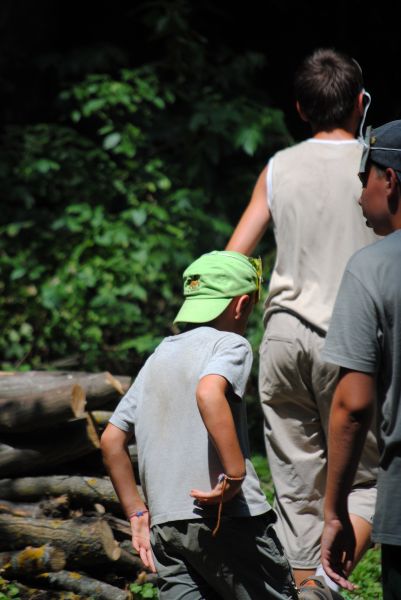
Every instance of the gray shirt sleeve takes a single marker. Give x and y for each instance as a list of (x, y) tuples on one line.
[(353, 338), (232, 359)]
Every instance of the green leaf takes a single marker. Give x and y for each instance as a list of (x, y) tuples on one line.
[(76, 116), (138, 216), (249, 139), (13, 590), (13, 229), (45, 165), (144, 343), (111, 141), (14, 336), (18, 273), (93, 106)]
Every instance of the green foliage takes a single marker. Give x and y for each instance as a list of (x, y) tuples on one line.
[(144, 590), (254, 334), (92, 230), (104, 210), (8, 590), (367, 576), (261, 466)]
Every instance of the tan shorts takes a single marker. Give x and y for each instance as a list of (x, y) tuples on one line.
[(296, 389)]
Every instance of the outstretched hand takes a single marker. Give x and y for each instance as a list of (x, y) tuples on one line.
[(214, 496), (141, 540), (338, 550)]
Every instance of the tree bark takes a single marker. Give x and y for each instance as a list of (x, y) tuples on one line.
[(85, 541), (85, 490), (19, 509), (99, 388), (29, 593), (81, 584), (37, 398), (119, 525), (32, 561), (34, 409), (103, 388), (101, 417), (22, 454), (53, 507)]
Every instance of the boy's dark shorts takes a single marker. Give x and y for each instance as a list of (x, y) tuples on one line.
[(245, 561)]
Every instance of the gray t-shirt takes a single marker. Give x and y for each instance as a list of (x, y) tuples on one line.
[(365, 335), (174, 450)]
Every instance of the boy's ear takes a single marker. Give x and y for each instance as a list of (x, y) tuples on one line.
[(360, 103), (242, 305), (391, 178), (393, 192), (300, 111)]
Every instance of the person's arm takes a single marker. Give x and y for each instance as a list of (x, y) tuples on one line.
[(114, 446), (254, 220), (350, 417), (218, 419)]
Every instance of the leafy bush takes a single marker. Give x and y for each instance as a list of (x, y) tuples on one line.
[(100, 218)]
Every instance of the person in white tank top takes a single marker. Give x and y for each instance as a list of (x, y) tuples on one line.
[(310, 193)]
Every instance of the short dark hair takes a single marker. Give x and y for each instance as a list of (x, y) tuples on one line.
[(327, 84), (381, 171)]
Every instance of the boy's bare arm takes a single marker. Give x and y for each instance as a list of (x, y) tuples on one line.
[(114, 445), (350, 417), (254, 220), (217, 417)]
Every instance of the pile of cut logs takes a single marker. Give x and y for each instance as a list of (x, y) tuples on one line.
[(62, 532)]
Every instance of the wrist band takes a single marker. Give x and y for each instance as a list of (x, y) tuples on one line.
[(223, 478), (137, 513)]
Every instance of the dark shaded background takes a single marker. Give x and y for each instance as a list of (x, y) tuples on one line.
[(45, 43), (47, 46)]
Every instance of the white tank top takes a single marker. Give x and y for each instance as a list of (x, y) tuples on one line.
[(313, 193)]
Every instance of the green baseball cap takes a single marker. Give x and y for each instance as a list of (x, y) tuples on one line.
[(213, 280)]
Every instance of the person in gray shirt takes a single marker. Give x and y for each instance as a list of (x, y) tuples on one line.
[(205, 525), (364, 339)]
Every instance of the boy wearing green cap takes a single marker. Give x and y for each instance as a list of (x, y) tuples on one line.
[(206, 526)]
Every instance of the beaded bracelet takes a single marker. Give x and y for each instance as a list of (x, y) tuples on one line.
[(137, 513), (223, 478)]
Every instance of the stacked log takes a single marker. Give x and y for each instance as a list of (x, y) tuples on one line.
[(62, 532), (37, 399)]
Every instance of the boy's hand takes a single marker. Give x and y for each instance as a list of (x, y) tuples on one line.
[(214, 496), (141, 540), (338, 551)]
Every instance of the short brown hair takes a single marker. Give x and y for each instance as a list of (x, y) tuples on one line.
[(326, 86)]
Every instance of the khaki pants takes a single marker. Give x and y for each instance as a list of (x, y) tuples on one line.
[(296, 390)]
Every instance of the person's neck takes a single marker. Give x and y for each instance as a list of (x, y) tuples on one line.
[(222, 323), (396, 222), (346, 130), (338, 134)]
